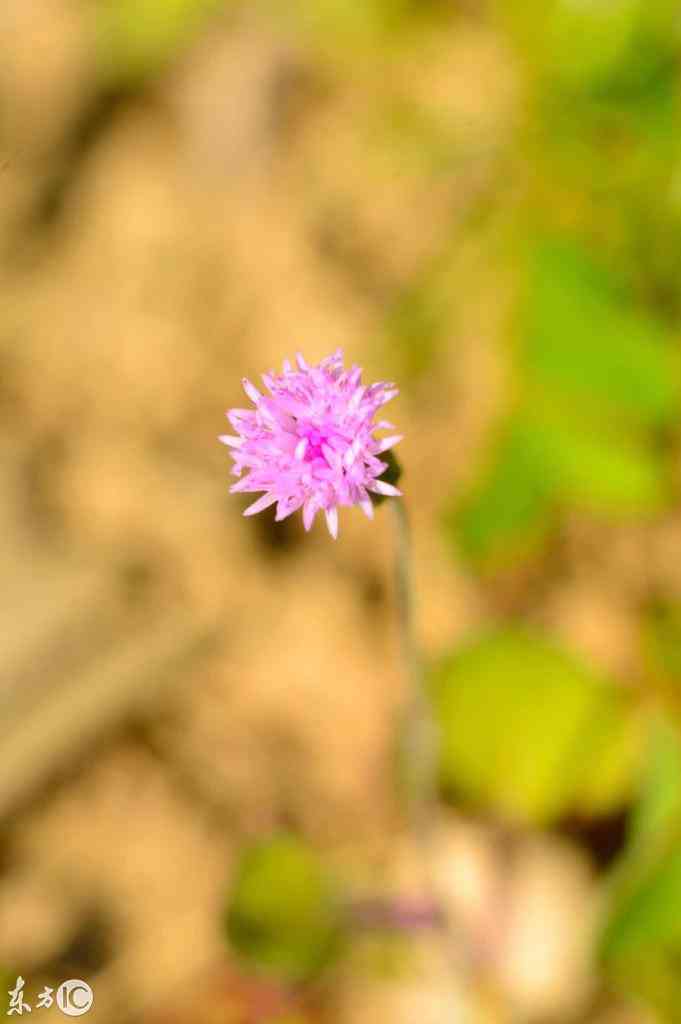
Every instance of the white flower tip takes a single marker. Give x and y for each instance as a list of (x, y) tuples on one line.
[(309, 513), (389, 442), (381, 487), (332, 521), (240, 485), (285, 508), (232, 442), (388, 396), (251, 390), (367, 507), (262, 503)]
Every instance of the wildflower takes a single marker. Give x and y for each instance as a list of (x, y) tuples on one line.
[(310, 443)]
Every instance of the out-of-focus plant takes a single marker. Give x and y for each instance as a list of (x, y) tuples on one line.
[(641, 941), (602, 137), (597, 378), (531, 732), (284, 912), (590, 429), (137, 38)]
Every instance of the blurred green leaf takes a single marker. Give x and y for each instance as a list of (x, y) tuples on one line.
[(283, 914), (582, 342), (662, 642), (595, 379), (659, 805), (641, 941), (511, 508), (136, 38), (586, 41), (526, 729), (545, 462), (646, 81), (601, 470), (617, 735), (619, 51)]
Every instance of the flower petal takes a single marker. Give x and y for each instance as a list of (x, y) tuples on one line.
[(381, 487), (352, 452), (239, 416), (367, 507), (251, 390), (309, 512), (262, 503), (388, 396), (332, 457), (245, 484), (357, 397), (332, 521), (286, 507), (388, 442)]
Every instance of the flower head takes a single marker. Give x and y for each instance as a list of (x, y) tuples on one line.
[(310, 443)]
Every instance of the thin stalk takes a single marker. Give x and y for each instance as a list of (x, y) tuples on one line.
[(421, 741)]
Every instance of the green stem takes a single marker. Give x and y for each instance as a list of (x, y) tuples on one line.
[(421, 738)]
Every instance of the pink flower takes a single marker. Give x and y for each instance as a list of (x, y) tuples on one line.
[(310, 443)]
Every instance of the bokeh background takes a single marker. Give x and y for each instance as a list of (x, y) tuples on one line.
[(482, 202)]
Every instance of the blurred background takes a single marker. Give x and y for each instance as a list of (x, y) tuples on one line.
[(199, 794)]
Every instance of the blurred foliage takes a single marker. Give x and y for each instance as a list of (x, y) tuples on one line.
[(345, 24), (598, 375), (603, 138), (659, 805), (583, 344), (283, 915), (531, 732), (592, 47), (511, 508), (596, 379), (137, 38), (662, 646), (590, 429), (641, 943)]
